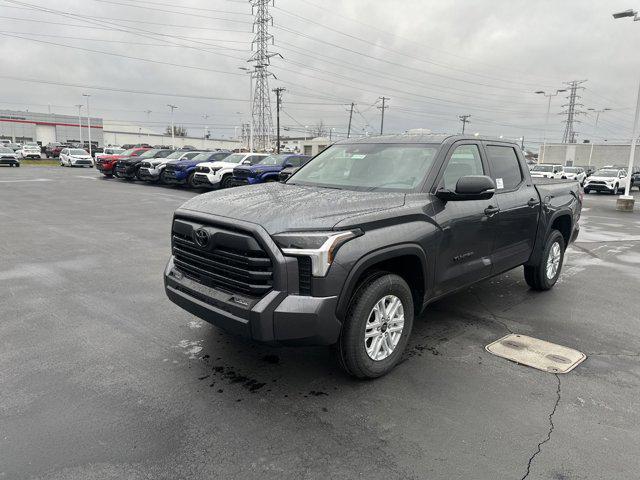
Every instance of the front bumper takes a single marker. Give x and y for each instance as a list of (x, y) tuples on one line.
[(206, 180), (31, 155), (9, 161), (245, 181), (599, 187), (81, 163), (277, 318), (126, 172), (174, 177), (149, 174)]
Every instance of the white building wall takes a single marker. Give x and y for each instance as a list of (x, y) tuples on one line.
[(603, 154), (113, 137)]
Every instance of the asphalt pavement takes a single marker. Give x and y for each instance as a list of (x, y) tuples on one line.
[(101, 377)]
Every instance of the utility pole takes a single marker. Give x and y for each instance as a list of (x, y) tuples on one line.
[(88, 121), (278, 91), (204, 131), (595, 128), (571, 112), (79, 105), (173, 137), (262, 120), (383, 108), (350, 118), (148, 112), (464, 119)]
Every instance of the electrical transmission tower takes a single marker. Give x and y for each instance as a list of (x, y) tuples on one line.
[(571, 112), (261, 108)]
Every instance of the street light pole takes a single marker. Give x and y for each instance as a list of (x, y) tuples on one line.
[(88, 121), (546, 123), (148, 112), (595, 129), (173, 138), (80, 121), (204, 132), (626, 202)]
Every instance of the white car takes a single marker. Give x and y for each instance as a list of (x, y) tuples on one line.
[(8, 157), (109, 151), (75, 157), (30, 150), (575, 173), (543, 170), (220, 174), (151, 170), (610, 180)]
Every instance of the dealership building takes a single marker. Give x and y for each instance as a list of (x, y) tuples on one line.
[(20, 127)]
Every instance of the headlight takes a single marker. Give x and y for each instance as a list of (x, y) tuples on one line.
[(321, 247)]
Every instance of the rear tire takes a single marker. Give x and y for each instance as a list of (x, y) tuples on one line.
[(367, 334), (587, 191), (615, 190), (545, 274)]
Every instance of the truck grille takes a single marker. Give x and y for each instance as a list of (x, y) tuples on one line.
[(241, 174), (172, 168), (229, 269), (597, 182)]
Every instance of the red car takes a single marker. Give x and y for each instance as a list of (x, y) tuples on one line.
[(106, 165)]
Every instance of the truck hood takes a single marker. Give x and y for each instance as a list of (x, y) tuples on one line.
[(602, 179), (219, 164), (258, 168), (279, 207)]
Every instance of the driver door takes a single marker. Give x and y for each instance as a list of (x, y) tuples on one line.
[(467, 226)]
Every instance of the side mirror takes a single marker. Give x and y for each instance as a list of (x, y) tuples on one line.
[(470, 187), (246, 162), (288, 165)]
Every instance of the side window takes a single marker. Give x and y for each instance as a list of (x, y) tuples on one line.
[(189, 156), (256, 158), (465, 160), (505, 167), (294, 161)]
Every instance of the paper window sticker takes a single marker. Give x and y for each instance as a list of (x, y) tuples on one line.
[(499, 183)]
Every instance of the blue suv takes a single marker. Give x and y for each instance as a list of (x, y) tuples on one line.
[(181, 172), (268, 169)]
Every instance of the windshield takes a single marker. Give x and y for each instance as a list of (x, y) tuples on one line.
[(114, 151), (30, 146), (149, 153), (571, 169), (235, 157), (542, 168), (368, 166), (128, 153), (273, 160), (606, 173), (77, 151), (5, 150), (175, 155)]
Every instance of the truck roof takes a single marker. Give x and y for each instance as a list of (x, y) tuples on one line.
[(421, 138)]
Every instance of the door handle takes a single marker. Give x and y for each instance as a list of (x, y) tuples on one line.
[(532, 202), (491, 210)]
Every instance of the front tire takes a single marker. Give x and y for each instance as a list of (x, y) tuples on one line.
[(226, 181), (545, 274), (377, 327)]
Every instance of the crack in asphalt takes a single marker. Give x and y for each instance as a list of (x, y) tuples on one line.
[(548, 437), (605, 354), (493, 315)]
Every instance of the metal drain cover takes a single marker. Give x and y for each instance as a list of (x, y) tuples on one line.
[(535, 353)]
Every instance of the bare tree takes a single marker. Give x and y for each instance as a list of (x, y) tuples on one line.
[(178, 131)]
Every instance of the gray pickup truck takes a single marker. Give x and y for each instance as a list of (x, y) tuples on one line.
[(362, 238)]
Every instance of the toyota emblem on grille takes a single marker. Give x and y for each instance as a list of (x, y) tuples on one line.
[(202, 237)]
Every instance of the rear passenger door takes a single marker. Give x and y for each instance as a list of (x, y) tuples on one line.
[(519, 206)]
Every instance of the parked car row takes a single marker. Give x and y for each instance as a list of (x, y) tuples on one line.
[(198, 169)]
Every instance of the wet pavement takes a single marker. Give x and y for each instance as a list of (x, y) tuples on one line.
[(102, 377)]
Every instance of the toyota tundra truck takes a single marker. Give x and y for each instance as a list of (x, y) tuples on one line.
[(360, 240)]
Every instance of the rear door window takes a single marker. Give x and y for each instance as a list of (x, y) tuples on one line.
[(505, 166)]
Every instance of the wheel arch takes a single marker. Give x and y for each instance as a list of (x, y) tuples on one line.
[(409, 261)]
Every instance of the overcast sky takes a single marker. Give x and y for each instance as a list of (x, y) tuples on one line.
[(435, 60)]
